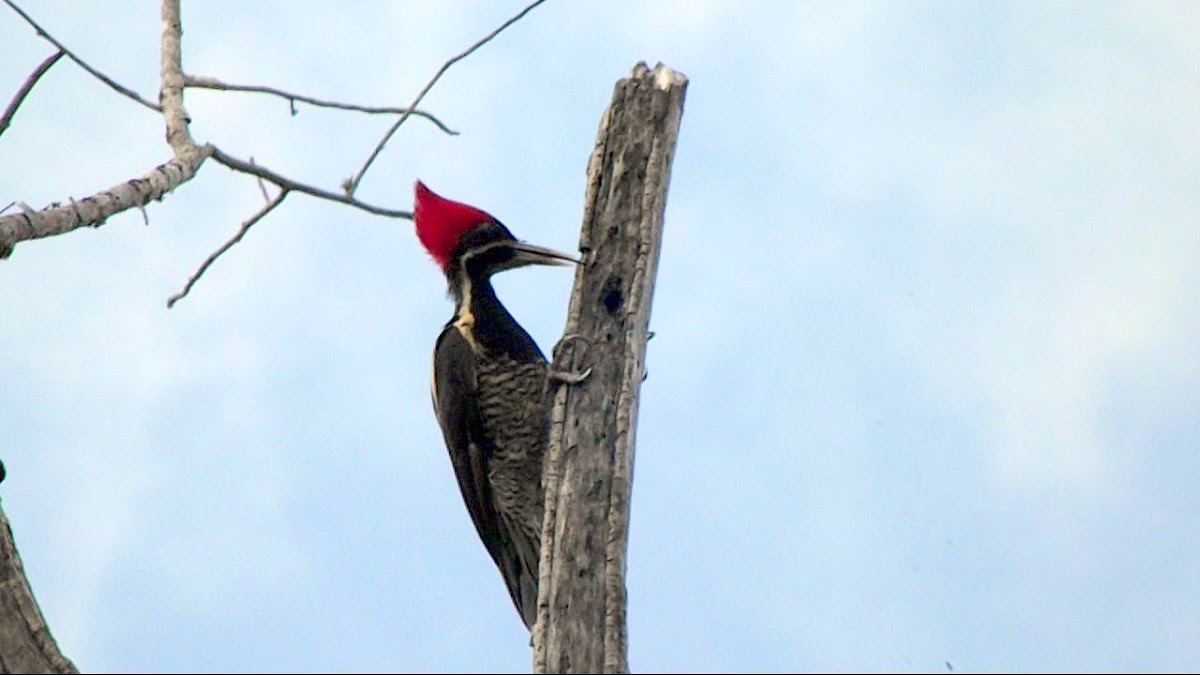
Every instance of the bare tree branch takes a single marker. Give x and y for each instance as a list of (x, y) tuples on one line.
[(27, 87), (249, 223), (171, 90), (352, 185), (214, 83), (124, 91), (58, 218), (286, 183)]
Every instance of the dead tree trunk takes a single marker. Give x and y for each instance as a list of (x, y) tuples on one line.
[(26, 645), (589, 467)]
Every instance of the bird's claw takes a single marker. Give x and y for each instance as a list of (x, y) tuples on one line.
[(568, 339), (569, 377)]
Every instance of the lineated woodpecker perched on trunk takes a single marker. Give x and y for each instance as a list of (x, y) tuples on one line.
[(490, 387)]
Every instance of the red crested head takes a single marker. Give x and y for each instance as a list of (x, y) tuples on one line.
[(441, 222)]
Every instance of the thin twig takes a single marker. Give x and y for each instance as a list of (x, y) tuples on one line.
[(30, 81), (214, 83), (262, 184), (286, 184), (352, 185), (124, 91), (226, 246)]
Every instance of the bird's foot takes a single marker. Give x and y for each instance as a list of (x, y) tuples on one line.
[(568, 339), (569, 377)]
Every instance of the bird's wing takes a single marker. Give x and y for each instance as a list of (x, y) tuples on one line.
[(455, 402)]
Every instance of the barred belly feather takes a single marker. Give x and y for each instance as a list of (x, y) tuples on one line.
[(512, 404)]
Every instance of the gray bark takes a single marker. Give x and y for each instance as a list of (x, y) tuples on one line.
[(581, 624), (92, 211), (26, 645)]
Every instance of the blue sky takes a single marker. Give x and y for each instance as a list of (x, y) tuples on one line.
[(925, 386)]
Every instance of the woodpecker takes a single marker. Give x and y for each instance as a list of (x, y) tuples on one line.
[(490, 387)]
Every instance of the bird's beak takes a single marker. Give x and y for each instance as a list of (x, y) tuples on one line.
[(528, 254)]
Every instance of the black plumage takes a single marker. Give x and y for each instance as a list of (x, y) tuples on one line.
[(490, 392)]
